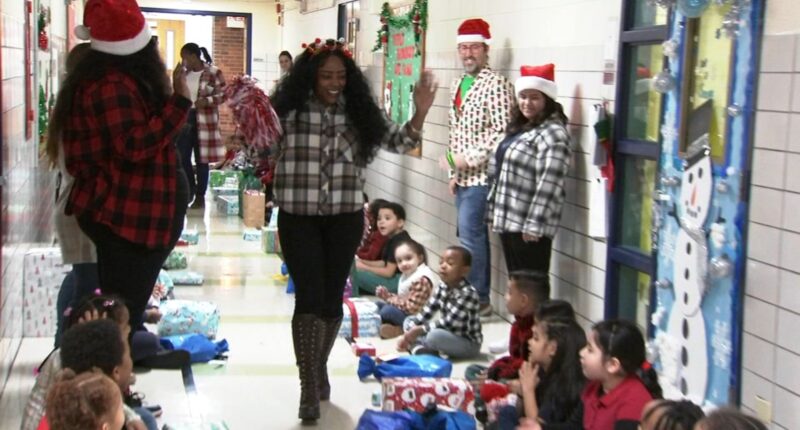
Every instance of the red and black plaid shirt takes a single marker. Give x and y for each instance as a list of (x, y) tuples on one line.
[(121, 154)]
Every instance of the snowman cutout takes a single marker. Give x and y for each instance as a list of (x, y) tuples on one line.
[(686, 323)]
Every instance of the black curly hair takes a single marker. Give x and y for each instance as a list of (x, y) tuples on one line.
[(95, 343), (563, 381), (674, 414), (363, 114)]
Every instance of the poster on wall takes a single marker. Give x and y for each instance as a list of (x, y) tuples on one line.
[(701, 214), (402, 39)]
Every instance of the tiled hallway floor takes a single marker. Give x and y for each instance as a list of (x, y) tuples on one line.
[(258, 387)]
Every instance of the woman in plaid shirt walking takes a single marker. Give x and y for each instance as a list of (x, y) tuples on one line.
[(528, 172), (117, 116), (332, 129)]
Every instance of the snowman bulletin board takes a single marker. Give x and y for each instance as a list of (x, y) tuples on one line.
[(700, 216), (402, 39)]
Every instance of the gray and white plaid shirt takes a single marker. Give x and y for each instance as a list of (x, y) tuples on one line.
[(528, 194), (316, 173), (457, 309)]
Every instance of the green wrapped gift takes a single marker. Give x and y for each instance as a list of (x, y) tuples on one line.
[(224, 178), (176, 260)]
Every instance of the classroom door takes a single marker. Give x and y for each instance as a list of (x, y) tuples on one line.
[(171, 38)]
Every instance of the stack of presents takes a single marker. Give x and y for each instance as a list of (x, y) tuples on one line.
[(239, 193)]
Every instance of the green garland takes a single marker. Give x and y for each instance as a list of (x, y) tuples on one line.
[(417, 16)]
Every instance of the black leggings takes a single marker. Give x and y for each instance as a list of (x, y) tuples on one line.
[(521, 255), (319, 251), (129, 269)]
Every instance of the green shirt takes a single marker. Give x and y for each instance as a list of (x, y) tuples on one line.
[(466, 84)]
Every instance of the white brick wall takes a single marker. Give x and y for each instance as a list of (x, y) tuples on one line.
[(771, 348)]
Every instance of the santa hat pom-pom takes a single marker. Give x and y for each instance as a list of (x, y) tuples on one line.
[(304, 46), (317, 40), (82, 32)]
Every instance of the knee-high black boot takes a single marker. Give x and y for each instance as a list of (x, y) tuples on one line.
[(307, 331), (330, 329)]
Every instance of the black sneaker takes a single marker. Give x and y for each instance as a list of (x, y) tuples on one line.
[(174, 359)]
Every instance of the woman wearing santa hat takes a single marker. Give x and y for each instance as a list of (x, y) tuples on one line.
[(117, 114), (527, 172), (333, 128)]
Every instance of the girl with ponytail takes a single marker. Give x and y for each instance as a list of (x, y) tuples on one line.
[(621, 381), (201, 134)]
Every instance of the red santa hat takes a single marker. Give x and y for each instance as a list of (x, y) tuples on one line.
[(474, 30), (115, 27), (540, 78)]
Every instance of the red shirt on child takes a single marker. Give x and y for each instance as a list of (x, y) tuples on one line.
[(624, 403), (372, 249), (508, 367)]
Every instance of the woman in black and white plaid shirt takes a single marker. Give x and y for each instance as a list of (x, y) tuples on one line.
[(528, 171), (333, 128)]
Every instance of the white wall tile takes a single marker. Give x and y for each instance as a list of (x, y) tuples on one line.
[(796, 93), (758, 356), (797, 54), (788, 364), (788, 322), (754, 385), (791, 204), (790, 251), (768, 168), (772, 94), (792, 182), (772, 130), (767, 248), (762, 281), (760, 318), (774, 50), (785, 409), (793, 143), (789, 290), (766, 206)]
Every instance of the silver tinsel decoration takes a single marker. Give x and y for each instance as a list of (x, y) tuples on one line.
[(666, 4), (670, 48), (734, 110), (665, 284), (663, 82), (670, 181), (720, 267), (723, 187), (731, 23)]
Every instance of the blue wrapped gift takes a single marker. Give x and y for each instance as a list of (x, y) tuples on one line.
[(225, 190), (176, 260), (191, 236), (251, 234), (188, 317), (228, 205), (186, 277)]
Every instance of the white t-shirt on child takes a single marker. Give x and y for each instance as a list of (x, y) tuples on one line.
[(405, 282)]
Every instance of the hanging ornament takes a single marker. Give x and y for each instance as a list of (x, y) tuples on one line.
[(664, 284), (693, 8), (663, 82), (44, 21), (670, 48), (670, 181), (723, 187), (734, 110), (720, 267), (731, 23)]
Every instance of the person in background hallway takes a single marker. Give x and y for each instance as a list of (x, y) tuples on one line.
[(201, 134), (117, 117), (332, 128), (76, 248), (527, 173), (285, 62), (480, 106)]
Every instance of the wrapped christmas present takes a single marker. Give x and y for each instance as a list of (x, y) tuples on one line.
[(361, 319), (188, 317), (176, 260), (42, 275), (415, 393)]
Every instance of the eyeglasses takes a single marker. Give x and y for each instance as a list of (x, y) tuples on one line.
[(473, 47)]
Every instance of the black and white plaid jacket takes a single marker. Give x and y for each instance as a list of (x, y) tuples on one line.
[(528, 193), (458, 312)]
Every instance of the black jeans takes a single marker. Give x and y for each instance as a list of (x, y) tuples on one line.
[(129, 269), (318, 251), (188, 142), (521, 255)]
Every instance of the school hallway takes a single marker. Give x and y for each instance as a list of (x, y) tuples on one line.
[(258, 387)]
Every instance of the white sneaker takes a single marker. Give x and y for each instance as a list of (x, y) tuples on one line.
[(499, 347)]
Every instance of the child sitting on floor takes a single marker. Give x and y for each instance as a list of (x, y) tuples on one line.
[(671, 415), (621, 381), (88, 401), (373, 241), (100, 344), (551, 380), (367, 275), (233, 144), (456, 332), (413, 290)]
